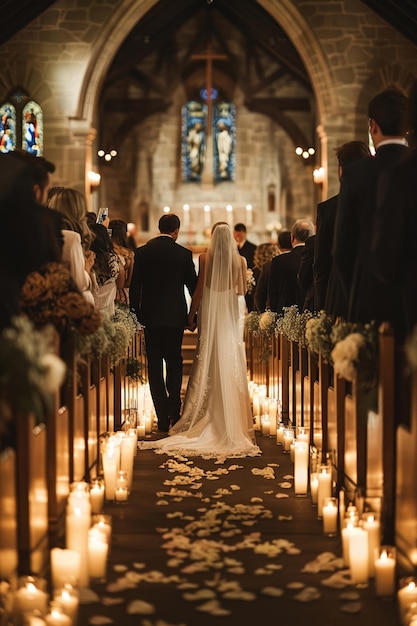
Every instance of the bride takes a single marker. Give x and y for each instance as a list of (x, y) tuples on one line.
[(216, 418)]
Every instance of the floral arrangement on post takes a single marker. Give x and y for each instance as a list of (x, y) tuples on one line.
[(355, 353), (318, 335), (251, 323), (30, 371), (293, 324), (267, 322)]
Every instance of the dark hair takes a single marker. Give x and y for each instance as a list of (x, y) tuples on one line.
[(39, 166), (284, 240), (388, 109), (352, 151), (118, 232), (240, 227), (103, 248), (168, 223)]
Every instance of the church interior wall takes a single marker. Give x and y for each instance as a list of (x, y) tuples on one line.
[(349, 52)]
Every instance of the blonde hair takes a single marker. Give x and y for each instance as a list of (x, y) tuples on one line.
[(72, 204), (264, 253)]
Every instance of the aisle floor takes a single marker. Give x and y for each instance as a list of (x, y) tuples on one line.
[(202, 542)]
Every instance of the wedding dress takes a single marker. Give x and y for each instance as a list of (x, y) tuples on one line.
[(217, 419)]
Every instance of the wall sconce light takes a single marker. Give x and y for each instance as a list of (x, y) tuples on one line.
[(94, 179), (318, 175)]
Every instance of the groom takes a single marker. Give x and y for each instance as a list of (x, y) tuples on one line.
[(161, 270)]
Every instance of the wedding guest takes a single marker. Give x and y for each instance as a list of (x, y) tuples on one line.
[(356, 207), (283, 288), (246, 249), (217, 418), (161, 270), (126, 256), (327, 296), (305, 273), (76, 253), (264, 254), (106, 269)]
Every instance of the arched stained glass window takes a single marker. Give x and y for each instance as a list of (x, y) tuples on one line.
[(193, 140), (21, 123), (7, 127), (224, 131), (32, 127)]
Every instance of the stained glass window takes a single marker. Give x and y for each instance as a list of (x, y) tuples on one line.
[(7, 127), (193, 140), (224, 131), (32, 128)]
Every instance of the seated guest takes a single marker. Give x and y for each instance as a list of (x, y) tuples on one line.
[(106, 269), (305, 273)]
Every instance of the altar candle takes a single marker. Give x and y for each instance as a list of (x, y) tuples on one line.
[(370, 523), (97, 554), (249, 215), (358, 555), (384, 568), (406, 596), (207, 218), (314, 486), (97, 496), (65, 567), (300, 468), (68, 599), (29, 598), (229, 214), (186, 215), (324, 488), (330, 517)]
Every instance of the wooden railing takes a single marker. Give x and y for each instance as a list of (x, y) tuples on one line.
[(374, 460), (36, 473)]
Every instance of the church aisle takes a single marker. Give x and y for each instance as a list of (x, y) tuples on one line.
[(201, 542)]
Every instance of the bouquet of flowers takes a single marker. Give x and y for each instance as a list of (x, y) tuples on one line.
[(50, 296), (293, 324), (355, 356), (250, 280), (318, 335), (267, 321)]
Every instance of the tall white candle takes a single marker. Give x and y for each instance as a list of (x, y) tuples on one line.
[(384, 569), (229, 214), (358, 555), (97, 496), (29, 598), (68, 599), (406, 595), (186, 215), (325, 487), (207, 218), (249, 215), (280, 434), (97, 554), (371, 524), (110, 468), (314, 486), (76, 538), (330, 516), (300, 468), (273, 414), (65, 567)]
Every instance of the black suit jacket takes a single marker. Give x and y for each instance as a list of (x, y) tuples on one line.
[(322, 265), (248, 251), (283, 289), (305, 273), (353, 232), (161, 270), (394, 257)]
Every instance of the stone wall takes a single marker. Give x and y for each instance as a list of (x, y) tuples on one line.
[(61, 60)]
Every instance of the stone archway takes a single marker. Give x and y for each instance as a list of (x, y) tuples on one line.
[(283, 11)]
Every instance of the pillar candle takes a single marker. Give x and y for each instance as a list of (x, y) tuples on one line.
[(265, 429), (342, 507), (370, 523), (314, 486), (348, 528), (280, 434), (97, 496), (287, 439), (406, 596), (358, 555), (384, 568), (57, 617), (65, 567), (273, 414), (97, 554), (303, 434), (330, 517), (103, 524), (110, 468), (68, 599), (300, 468), (29, 598), (256, 402), (76, 538), (324, 488)]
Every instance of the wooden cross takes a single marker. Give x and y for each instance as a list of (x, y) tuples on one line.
[(209, 56)]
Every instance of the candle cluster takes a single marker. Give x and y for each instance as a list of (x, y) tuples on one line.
[(265, 409), (140, 413)]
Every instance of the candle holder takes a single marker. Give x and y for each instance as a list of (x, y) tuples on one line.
[(280, 434), (407, 597), (314, 487), (300, 468), (288, 438), (65, 567), (30, 596), (97, 555), (97, 495), (370, 523), (324, 487), (330, 514), (56, 616), (265, 425), (104, 523), (384, 569)]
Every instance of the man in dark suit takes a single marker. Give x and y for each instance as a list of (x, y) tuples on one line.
[(326, 295), (162, 269), (356, 207), (247, 249), (283, 288), (305, 273)]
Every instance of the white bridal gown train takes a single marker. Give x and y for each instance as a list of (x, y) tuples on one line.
[(217, 418)]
